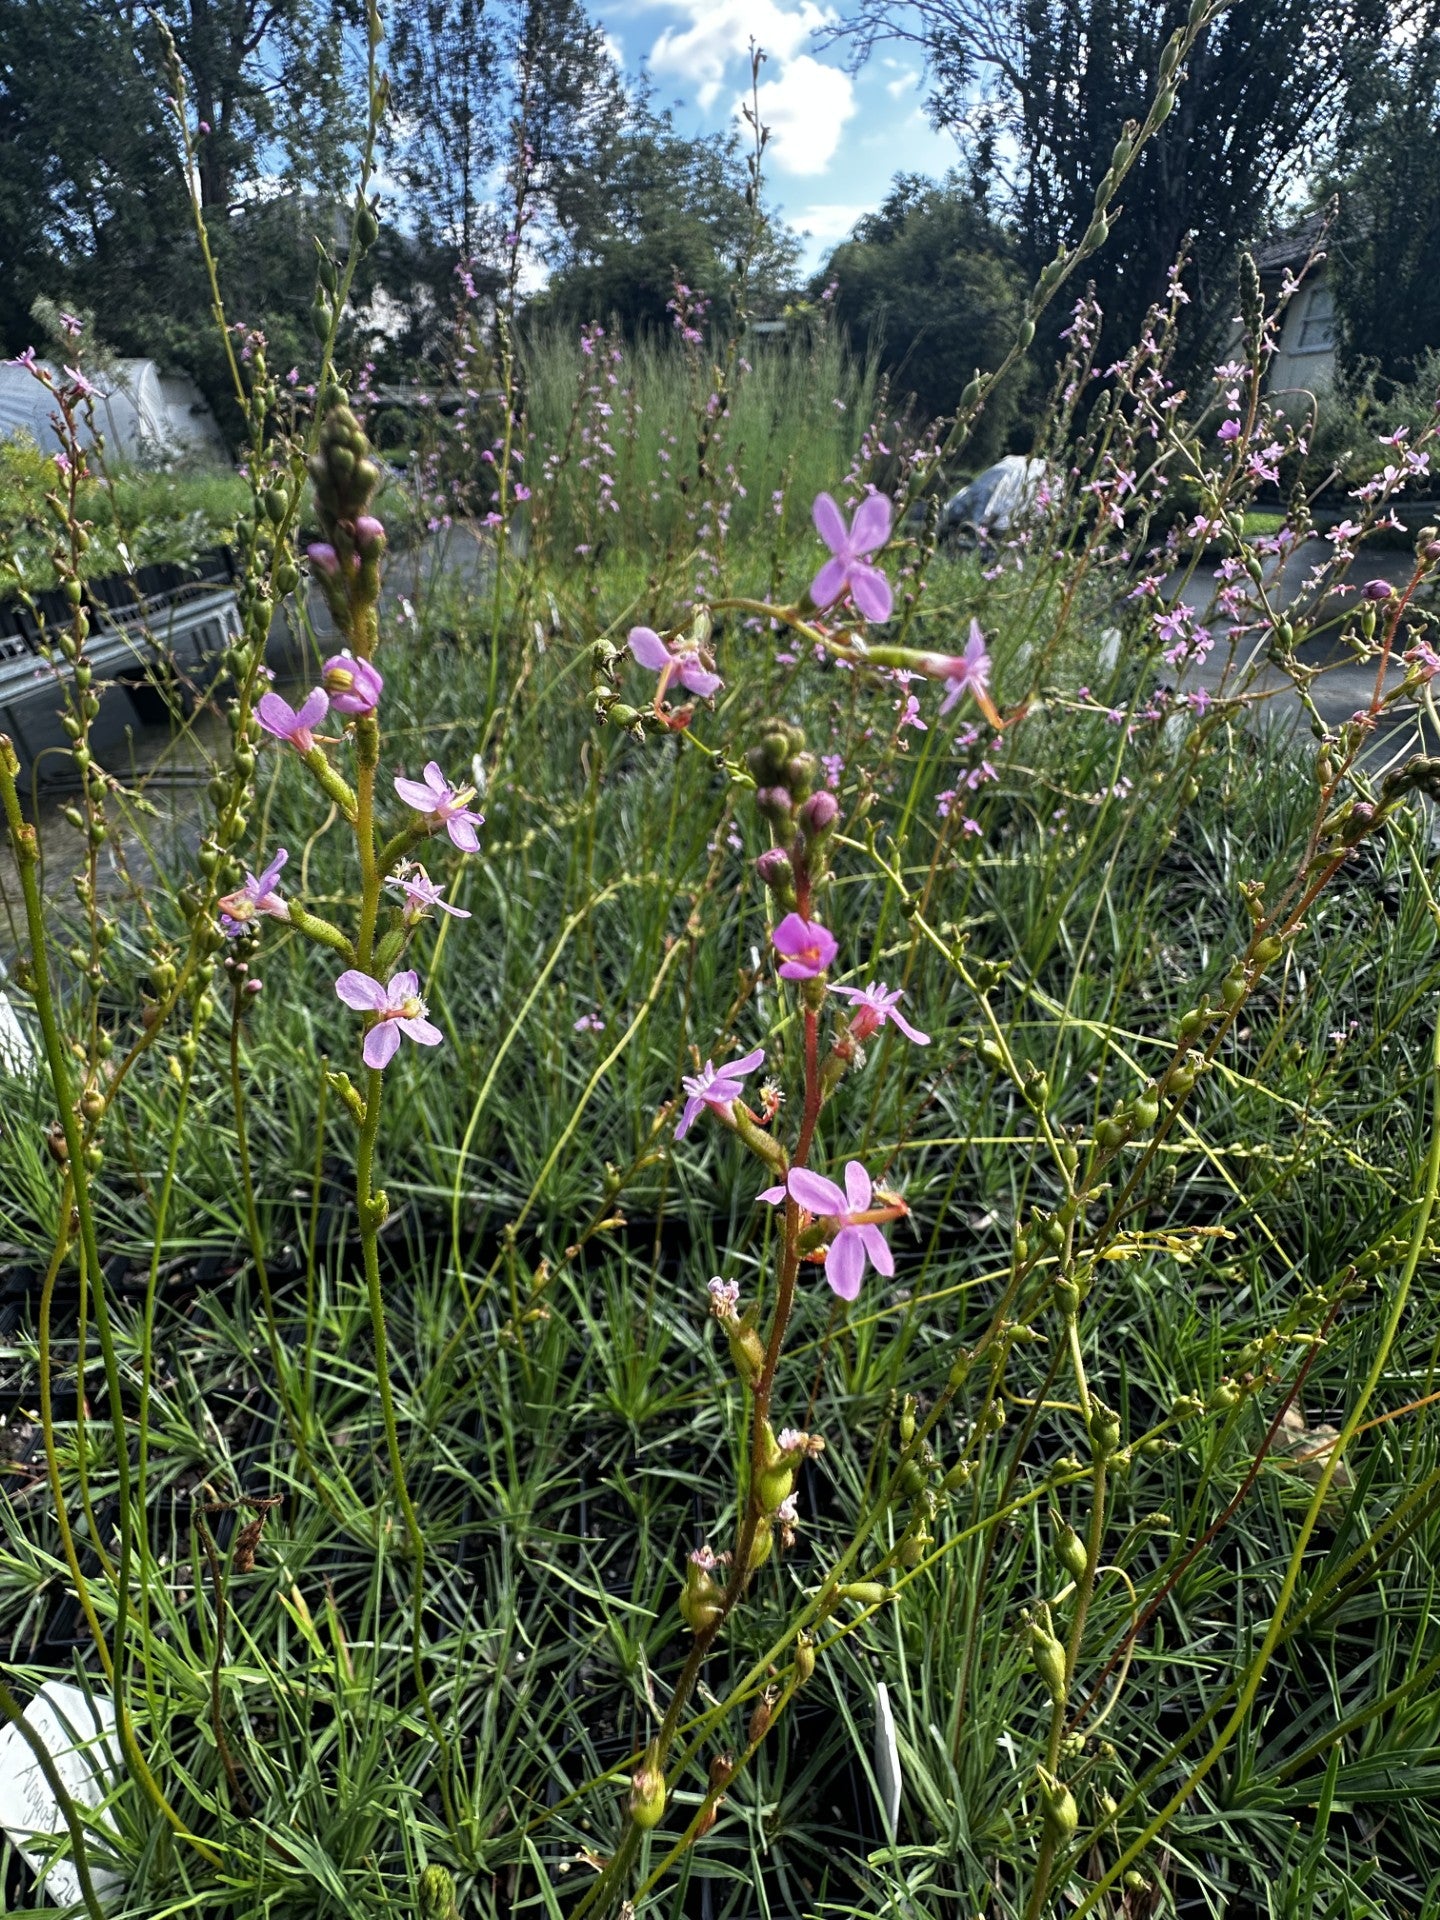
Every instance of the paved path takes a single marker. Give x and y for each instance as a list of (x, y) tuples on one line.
[(1345, 685)]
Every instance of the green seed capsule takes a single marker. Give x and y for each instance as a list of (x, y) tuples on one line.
[(1070, 1552)]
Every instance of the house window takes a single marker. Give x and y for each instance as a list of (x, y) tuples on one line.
[(1316, 332)]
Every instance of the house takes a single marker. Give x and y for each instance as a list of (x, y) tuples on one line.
[(1306, 353)]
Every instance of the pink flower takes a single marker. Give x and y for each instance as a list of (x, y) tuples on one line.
[(848, 567), (256, 896), (874, 1005), (967, 672), (354, 686), (277, 716), (369, 535), (1424, 659), (398, 1009), (807, 947), (444, 806), (323, 556), (421, 894), (680, 660), (716, 1088), (1229, 430), (859, 1239)]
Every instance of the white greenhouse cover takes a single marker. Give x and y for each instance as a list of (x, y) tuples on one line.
[(144, 414), (997, 496)]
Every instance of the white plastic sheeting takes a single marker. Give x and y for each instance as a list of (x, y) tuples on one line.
[(143, 413), (995, 498)]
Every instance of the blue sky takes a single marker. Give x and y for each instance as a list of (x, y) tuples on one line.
[(836, 141)]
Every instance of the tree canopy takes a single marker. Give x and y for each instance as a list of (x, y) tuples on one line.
[(929, 282), (1386, 254), (1038, 91)]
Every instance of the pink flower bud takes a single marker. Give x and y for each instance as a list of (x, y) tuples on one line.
[(1376, 590), (819, 814), (323, 557), (775, 870), (369, 536)]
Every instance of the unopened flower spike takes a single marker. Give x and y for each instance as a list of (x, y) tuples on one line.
[(848, 568), (444, 806), (398, 1009)]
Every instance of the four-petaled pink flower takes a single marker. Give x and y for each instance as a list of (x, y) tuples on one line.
[(256, 896), (716, 1088), (354, 686), (1228, 430), (967, 672), (848, 567), (398, 1009), (679, 659), (859, 1239), (277, 716), (874, 1005), (807, 947), (444, 806), (421, 894)]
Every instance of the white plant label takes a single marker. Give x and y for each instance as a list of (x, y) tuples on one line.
[(887, 1759), (78, 1732)]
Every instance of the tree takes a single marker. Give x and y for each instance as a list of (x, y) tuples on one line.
[(267, 78), (444, 142), (1385, 259), (1037, 92), (657, 208), (514, 98), (930, 283), (93, 204)]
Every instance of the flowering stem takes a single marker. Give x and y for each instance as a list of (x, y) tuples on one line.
[(602, 1892), (372, 1208), (257, 1254), (47, 1428)]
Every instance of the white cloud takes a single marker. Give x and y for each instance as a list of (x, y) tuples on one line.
[(805, 108), (720, 32), (826, 221), (907, 83)]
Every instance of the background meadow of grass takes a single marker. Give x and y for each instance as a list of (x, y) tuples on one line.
[(571, 1419)]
